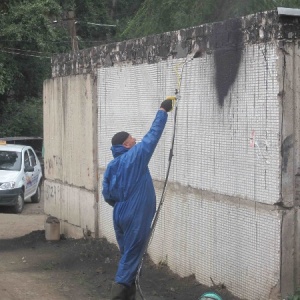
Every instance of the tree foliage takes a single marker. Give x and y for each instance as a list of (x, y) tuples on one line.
[(157, 16), (22, 118), (26, 36), (31, 31), (27, 40)]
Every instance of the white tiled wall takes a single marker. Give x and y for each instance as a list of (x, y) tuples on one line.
[(231, 150)]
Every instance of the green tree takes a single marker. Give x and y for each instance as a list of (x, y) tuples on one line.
[(88, 13), (156, 16), (22, 118), (27, 39)]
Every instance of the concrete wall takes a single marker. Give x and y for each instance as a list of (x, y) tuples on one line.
[(70, 185), (227, 162), (289, 96), (231, 211)]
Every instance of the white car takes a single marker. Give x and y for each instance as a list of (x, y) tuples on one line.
[(20, 176)]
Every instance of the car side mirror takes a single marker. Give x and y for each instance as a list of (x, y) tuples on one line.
[(29, 169)]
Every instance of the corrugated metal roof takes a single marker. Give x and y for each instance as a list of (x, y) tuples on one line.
[(288, 11)]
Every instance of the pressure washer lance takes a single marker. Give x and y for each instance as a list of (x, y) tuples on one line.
[(154, 221), (175, 100)]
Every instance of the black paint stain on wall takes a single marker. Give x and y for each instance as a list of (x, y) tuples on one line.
[(227, 40), (286, 147)]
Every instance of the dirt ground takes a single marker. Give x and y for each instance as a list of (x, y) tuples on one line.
[(36, 269)]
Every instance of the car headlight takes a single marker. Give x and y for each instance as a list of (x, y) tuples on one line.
[(7, 185)]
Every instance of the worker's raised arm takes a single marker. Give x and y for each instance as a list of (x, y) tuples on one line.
[(145, 149)]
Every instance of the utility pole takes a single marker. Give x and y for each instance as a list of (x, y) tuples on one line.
[(72, 30), (113, 8), (69, 17)]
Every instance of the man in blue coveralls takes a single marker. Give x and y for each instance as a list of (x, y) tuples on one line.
[(128, 187)]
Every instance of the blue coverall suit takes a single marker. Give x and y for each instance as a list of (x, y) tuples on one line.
[(128, 187)]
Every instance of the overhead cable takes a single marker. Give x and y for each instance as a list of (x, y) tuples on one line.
[(23, 54)]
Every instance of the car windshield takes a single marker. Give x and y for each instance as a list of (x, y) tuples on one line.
[(10, 160)]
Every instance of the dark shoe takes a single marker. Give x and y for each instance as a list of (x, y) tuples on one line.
[(119, 292), (131, 292)]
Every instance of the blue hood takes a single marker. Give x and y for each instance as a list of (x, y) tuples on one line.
[(118, 150)]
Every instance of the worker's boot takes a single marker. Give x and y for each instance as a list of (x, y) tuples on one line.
[(119, 292), (131, 292)]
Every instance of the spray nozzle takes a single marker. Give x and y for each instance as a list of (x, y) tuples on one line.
[(197, 54)]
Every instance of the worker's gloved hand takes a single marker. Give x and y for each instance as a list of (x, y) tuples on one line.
[(167, 104)]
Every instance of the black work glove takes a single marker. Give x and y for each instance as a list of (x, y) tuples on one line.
[(167, 105)]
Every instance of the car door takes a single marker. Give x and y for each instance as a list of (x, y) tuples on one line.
[(28, 176), (36, 172)]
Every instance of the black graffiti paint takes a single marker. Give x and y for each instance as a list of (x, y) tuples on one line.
[(286, 147), (227, 40)]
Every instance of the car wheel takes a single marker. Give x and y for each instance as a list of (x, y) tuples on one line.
[(36, 198), (18, 207)]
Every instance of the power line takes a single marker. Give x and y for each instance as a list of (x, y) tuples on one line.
[(29, 51), (49, 41), (23, 41), (23, 54), (95, 24)]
